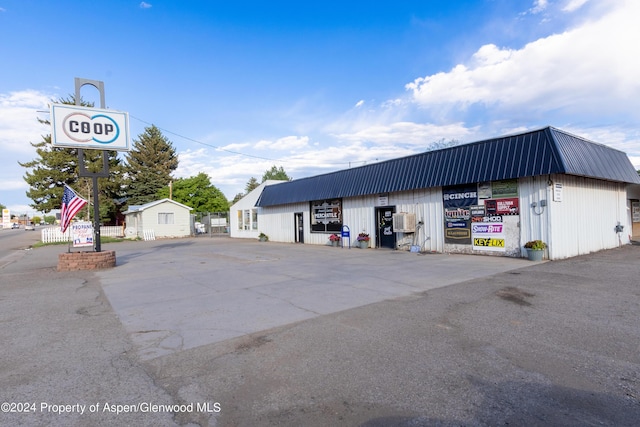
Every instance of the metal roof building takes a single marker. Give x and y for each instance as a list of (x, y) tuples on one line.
[(545, 184)]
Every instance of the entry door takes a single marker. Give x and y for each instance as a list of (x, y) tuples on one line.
[(299, 223), (386, 238)]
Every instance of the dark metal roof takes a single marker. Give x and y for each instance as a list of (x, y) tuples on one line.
[(540, 152)]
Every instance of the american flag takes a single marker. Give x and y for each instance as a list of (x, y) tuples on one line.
[(71, 205)]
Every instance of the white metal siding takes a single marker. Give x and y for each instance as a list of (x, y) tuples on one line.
[(583, 222), (277, 222), (359, 215), (248, 202), (427, 205)]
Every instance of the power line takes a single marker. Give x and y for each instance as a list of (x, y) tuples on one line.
[(350, 163), (207, 144)]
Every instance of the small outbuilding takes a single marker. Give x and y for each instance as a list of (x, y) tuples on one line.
[(489, 197), (161, 218)]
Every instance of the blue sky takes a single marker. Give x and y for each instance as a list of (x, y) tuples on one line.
[(320, 86)]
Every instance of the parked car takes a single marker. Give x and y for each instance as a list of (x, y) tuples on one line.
[(30, 227), (15, 225)]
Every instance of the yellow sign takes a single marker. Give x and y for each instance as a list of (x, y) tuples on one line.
[(488, 242)]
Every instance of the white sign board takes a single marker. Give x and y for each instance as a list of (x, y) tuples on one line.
[(90, 128), (6, 218), (557, 191), (81, 234)]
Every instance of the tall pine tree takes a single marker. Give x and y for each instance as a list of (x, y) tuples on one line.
[(149, 165)]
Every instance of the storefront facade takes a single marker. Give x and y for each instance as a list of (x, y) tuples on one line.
[(531, 186)]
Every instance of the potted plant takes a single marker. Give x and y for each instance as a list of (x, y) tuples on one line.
[(263, 237), (334, 239), (363, 240), (535, 249)]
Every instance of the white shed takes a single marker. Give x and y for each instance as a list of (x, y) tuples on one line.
[(244, 215), (161, 218)]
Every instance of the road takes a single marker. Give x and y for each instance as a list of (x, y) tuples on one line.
[(542, 344), (15, 241)]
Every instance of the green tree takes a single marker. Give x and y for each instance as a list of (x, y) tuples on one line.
[(237, 197), (275, 173), (198, 193), (251, 185), (442, 144), (149, 166), (2, 206), (55, 166)]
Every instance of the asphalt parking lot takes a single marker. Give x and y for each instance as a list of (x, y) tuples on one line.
[(223, 332)]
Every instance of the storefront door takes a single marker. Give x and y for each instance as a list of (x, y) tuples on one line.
[(299, 224), (385, 238)]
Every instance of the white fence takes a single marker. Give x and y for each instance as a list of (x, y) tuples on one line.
[(53, 234)]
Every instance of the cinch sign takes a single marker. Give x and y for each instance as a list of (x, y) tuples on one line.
[(81, 127)]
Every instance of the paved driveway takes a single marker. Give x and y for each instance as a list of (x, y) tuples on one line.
[(172, 296)]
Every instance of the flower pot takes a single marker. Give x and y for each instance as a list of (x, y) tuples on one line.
[(363, 244), (335, 243), (535, 254)]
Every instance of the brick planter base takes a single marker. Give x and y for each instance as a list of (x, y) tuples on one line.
[(71, 261)]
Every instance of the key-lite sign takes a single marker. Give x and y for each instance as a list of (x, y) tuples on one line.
[(90, 128)]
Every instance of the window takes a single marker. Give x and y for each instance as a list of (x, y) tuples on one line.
[(326, 216), (165, 218), (254, 219), (248, 219)]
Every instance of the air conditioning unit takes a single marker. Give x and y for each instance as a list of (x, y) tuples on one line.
[(404, 222)]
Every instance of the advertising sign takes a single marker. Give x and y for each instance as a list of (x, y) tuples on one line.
[(326, 215), (6, 218), (81, 234), (91, 128), (635, 211), (506, 188), (488, 236), (510, 206), (457, 201)]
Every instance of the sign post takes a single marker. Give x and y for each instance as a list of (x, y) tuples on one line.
[(89, 128)]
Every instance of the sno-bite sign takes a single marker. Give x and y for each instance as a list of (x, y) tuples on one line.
[(91, 128)]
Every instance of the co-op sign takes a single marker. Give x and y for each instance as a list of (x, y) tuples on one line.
[(82, 127)]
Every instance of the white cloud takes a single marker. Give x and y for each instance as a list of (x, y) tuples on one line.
[(282, 144), (589, 69), (145, 5), (573, 5), (539, 6), (19, 113), (359, 103), (405, 133)]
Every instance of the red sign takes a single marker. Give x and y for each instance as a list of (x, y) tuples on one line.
[(508, 206)]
